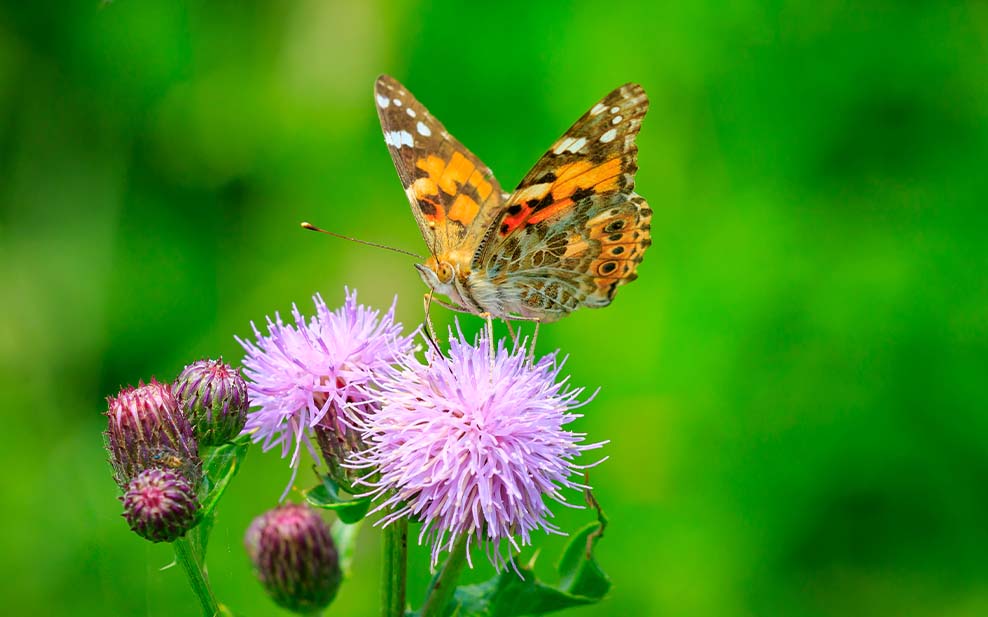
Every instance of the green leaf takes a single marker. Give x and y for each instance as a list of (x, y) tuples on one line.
[(582, 582), (219, 468), (345, 539), (327, 497), (580, 573), (200, 534)]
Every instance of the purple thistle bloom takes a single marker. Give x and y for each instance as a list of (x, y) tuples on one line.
[(469, 445), (304, 374)]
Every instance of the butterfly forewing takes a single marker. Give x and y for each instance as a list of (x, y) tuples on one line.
[(574, 229), (452, 193)]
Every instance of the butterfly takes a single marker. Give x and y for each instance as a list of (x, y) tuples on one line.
[(570, 234)]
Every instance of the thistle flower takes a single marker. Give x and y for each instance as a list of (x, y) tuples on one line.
[(304, 375), (294, 557), (213, 397), (146, 430), (469, 444), (160, 505)]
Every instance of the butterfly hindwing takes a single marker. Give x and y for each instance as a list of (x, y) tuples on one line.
[(452, 193), (574, 229)]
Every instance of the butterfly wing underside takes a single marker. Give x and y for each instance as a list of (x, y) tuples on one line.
[(574, 230), (452, 193)]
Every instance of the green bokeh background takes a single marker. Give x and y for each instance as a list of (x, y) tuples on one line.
[(794, 389)]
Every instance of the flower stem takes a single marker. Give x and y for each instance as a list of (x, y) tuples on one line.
[(444, 583), (186, 556), (395, 568)]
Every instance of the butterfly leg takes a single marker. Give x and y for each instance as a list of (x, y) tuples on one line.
[(430, 331), (490, 337), (536, 320), (535, 336), (511, 332)]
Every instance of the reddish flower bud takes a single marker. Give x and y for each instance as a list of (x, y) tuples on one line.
[(294, 557), (213, 396), (160, 505), (147, 430)]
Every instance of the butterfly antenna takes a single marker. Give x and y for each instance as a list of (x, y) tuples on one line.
[(435, 239), (312, 227)]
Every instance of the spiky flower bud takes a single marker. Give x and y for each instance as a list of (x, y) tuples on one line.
[(336, 443), (160, 505), (294, 557), (213, 396), (146, 430)]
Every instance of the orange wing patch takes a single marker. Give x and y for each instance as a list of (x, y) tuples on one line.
[(572, 182), (477, 181), (463, 210), (450, 178), (622, 238), (600, 178)]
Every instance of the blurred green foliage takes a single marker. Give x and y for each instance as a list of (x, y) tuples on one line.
[(794, 390)]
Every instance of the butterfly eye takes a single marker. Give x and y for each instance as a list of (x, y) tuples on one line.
[(444, 272)]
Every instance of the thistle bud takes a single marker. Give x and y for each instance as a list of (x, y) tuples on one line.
[(336, 443), (147, 430), (294, 557), (160, 505), (213, 396)]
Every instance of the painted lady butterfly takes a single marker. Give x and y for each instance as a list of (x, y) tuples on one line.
[(572, 232)]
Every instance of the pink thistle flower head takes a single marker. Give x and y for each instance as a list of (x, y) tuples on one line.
[(304, 374), (470, 445)]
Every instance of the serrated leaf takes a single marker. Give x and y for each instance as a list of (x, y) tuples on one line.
[(582, 582), (506, 595), (219, 468), (326, 496), (580, 573)]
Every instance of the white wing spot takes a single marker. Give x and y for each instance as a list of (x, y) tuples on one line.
[(608, 136), (397, 102), (383, 101), (616, 120), (423, 129), (570, 144), (410, 111), (599, 107), (614, 110), (562, 145), (398, 139)]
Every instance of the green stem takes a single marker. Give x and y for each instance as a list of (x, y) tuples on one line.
[(186, 556), (444, 583), (395, 569)]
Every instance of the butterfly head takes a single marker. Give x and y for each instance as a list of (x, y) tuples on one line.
[(438, 275)]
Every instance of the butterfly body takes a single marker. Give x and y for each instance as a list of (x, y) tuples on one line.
[(571, 233)]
